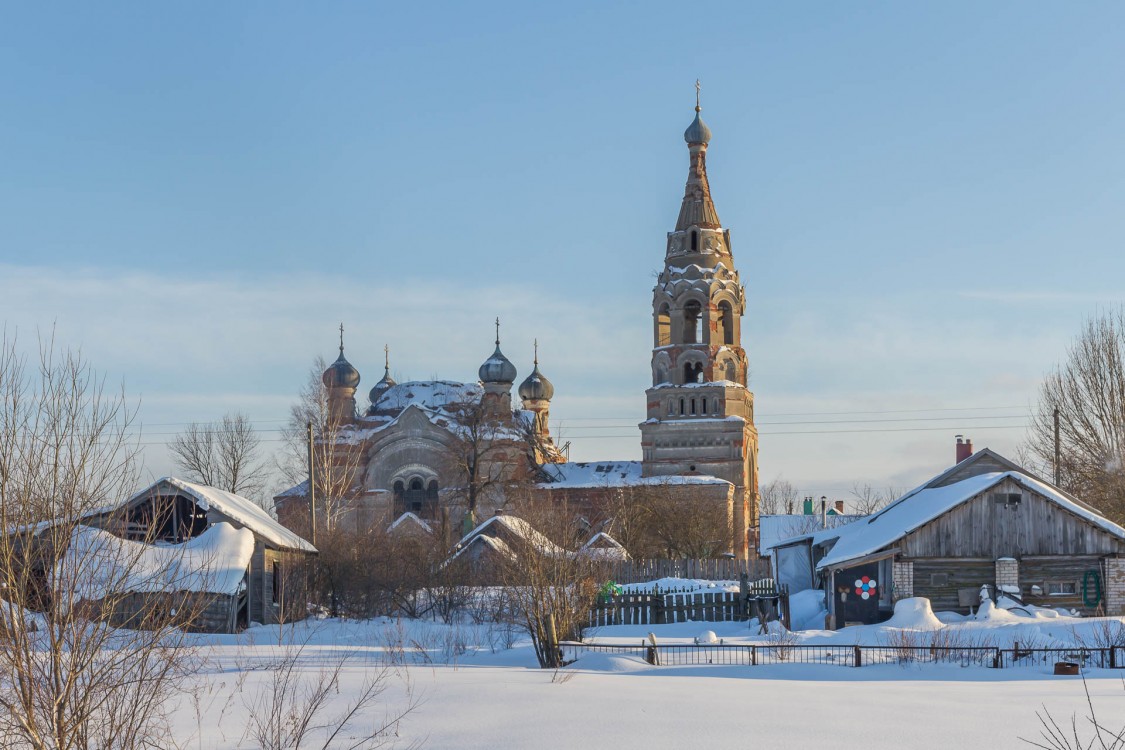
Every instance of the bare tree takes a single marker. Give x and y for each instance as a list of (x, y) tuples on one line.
[(664, 521), (488, 451), (71, 680), (224, 454), (865, 499), (552, 588), (1088, 392), (779, 496), (336, 461)]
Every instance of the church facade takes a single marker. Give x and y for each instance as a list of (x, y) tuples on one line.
[(446, 450)]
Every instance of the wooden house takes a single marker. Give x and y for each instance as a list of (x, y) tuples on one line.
[(985, 522), (174, 517)]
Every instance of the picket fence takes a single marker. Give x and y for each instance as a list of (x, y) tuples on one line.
[(760, 599), (721, 569)]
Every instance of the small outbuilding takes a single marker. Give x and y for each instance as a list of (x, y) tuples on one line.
[(187, 537), (985, 522)]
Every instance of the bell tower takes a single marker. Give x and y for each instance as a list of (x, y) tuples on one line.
[(700, 412)]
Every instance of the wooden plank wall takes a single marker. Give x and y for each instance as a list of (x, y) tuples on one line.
[(963, 574), (1072, 569), (985, 528)]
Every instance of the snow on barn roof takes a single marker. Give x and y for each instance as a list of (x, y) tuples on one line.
[(614, 474), (236, 507), (926, 503), (97, 563)]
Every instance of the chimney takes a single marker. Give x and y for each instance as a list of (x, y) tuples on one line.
[(823, 512), (807, 506), (964, 449), (840, 507)]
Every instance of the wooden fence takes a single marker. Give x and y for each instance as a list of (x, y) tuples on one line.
[(778, 650), (762, 600), (722, 569)]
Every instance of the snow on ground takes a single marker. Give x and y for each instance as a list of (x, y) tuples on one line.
[(480, 688)]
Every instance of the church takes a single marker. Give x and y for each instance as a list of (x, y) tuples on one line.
[(446, 451)]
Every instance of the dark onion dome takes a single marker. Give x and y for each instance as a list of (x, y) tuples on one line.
[(536, 387), (340, 374), (497, 369), (698, 132), (382, 386)]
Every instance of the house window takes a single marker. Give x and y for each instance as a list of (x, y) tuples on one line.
[(276, 583), (1062, 588), (939, 579)]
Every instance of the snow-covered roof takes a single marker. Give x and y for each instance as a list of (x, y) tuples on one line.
[(602, 546), (235, 507), (923, 505), (428, 394), (518, 528), (496, 544), (297, 490), (614, 474), (774, 529), (97, 563), (410, 518)]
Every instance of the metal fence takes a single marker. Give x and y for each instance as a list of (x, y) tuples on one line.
[(781, 652)]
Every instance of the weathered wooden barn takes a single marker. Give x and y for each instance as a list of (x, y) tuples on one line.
[(174, 517), (983, 522)]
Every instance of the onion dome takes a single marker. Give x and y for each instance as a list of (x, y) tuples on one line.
[(385, 384), (340, 374), (497, 368), (697, 132), (535, 386)]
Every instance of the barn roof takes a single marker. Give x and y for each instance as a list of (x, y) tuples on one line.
[(97, 563), (922, 505), (235, 507)]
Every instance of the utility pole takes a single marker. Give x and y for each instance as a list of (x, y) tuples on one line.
[(1057, 450), (312, 484)]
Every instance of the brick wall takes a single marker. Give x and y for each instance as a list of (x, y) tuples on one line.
[(1115, 586), (903, 580), (1008, 574)]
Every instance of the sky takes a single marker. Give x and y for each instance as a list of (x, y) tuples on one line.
[(924, 201)]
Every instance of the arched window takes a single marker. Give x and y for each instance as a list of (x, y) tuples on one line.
[(416, 496), (663, 326), (681, 407), (693, 323), (731, 371), (671, 407), (694, 241), (400, 498), (693, 372), (726, 320), (703, 407), (693, 407)]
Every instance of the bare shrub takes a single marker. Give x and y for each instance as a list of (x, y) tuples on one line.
[(781, 641), (295, 710)]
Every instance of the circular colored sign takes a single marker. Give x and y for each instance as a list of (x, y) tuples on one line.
[(865, 587)]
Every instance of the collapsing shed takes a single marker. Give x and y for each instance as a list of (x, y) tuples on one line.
[(182, 536), (985, 522)]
